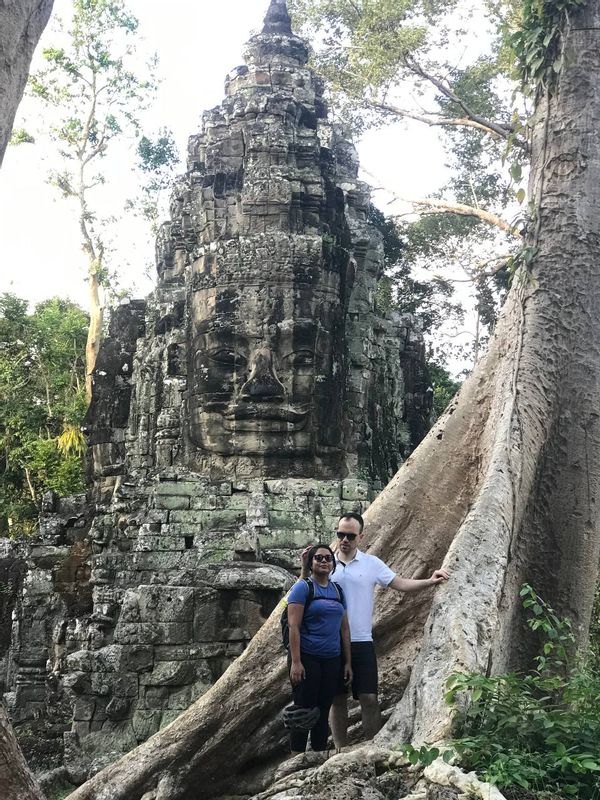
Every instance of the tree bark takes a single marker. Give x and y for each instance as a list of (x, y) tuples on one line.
[(94, 337), (535, 515), (503, 490), (21, 25), (16, 780)]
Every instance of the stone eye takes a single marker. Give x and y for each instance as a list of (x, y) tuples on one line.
[(301, 358), (228, 357)]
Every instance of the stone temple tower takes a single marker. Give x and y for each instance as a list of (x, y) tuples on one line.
[(257, 395)]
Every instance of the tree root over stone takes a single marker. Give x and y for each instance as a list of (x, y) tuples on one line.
[(373, 773)]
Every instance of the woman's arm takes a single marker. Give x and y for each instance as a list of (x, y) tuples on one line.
[(304, 570), (295, 616), (345, 630)]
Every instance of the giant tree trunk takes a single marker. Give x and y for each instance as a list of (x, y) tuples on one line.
[(21, 25), (503, 490), (16, 780)]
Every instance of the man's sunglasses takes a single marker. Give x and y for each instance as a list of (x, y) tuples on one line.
[(343, 535), (320, 558)]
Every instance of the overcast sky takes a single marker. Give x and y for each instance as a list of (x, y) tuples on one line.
[(198, 43)]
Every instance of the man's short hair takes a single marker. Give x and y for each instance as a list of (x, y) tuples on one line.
[(357, 517)]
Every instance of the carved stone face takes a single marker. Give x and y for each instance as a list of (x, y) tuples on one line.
[(264, 371)]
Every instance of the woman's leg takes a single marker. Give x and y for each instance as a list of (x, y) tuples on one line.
[(330, 672), (306, 695)]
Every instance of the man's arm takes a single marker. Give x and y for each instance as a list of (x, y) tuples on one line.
[(416, 585), (345, 631)]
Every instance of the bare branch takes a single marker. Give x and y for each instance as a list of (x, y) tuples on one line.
[(480, 272), (441, 207), (89, 120), (30, 485), (501, 130), (432, 119)]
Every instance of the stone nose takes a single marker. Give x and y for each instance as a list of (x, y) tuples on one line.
[(262, 382)]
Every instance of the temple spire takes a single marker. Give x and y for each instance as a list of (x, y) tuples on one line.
[(278, 19)]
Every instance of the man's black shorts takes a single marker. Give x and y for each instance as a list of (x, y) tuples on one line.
[(364, 669)]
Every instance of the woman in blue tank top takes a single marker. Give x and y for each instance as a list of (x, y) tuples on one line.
[(319, 636)]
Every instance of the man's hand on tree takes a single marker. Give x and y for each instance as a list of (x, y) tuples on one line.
[(439, 576)]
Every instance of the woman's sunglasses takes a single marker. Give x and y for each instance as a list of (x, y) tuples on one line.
[(343, 535), (320, 558)]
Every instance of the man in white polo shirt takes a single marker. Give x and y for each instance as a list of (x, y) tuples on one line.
[(358, 574)]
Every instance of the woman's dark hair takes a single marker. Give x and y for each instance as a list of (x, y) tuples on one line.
[(313, 550)]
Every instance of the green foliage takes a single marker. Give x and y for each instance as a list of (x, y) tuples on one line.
[(153, 155), (21, 136), (41, 397), (386, 62), (594, 651), (365, 44), (89, 80), (430, 300), (479, 177), (95, 94), (538, 730), (424, 756), (444, 386), (535, 40), (156, 161)]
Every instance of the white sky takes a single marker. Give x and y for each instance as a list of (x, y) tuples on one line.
[(198, 43)]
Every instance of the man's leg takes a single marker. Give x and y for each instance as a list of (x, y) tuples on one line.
[(338, 719), (371, 714), (365, 685)]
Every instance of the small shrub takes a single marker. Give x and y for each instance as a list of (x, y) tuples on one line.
[(539, 730)]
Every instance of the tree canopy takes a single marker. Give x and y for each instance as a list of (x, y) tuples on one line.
[(96, 89), (42, 403), (414, 62)]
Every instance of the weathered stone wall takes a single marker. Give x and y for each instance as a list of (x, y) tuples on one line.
[(107, 419), (49, 594), (256, 396)]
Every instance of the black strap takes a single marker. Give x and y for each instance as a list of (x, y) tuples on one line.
[(311, 592)]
